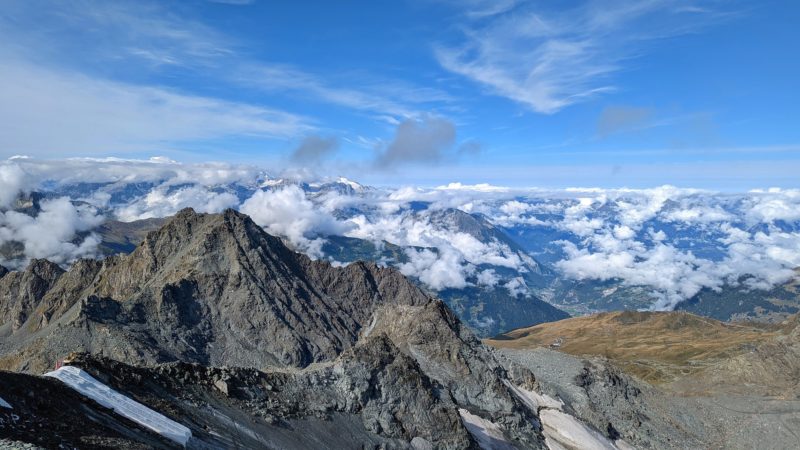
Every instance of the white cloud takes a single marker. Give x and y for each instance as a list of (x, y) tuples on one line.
[(116, 173), (13, 181), (675, 241), (52, 233), (517, 286), (634, 210), (674, 275), (438, 271), (160, 202), (698, 214), (288, 213), (146, 188), (609, 249), (547, 61), (623, 232), (515, 207), (457, 254), (618, 234), (774, 204), (481, 187), (488, 277), (121, 117)]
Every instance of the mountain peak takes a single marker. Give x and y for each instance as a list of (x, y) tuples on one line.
[(44, 268), (189, 237), (216, 288)]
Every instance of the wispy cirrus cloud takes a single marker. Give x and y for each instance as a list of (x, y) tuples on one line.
[(119, 69), (387, 100), (83, 33), (68, 86), (476, 9), (83, 114), (548, 60)]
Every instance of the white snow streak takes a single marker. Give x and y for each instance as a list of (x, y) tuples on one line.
[(569, 432), (87, 385), (561, 430), (487, 433)]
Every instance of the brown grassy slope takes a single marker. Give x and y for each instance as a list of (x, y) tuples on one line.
[(655, 346)]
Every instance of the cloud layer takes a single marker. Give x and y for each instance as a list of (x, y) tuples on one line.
[(672, 241)]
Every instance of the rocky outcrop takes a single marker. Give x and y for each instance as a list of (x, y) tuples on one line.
[(21, 292), (378, 393), (617, 406)]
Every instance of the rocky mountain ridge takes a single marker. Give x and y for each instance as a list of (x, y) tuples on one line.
[(216, 290)]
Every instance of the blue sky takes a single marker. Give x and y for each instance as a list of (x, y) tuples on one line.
[(571, 93)]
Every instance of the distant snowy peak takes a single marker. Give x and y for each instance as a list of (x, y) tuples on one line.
[(340, 185), (352, 184)]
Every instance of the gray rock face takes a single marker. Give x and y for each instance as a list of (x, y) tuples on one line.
[(645, 416), (617, 405), (376, 393), (359, 341), (21, 292)]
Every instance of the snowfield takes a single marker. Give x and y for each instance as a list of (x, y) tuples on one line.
[(533, 399), (487, 433), (562, 430), (87, 385)]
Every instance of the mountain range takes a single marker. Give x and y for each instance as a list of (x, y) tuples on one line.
[(501, 260), (219, 329), (358, 345)]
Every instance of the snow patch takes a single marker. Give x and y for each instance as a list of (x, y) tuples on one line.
[(352, 184), (371, 326), (87, 385), (4, 404), (487, 433), (562, 430), (533, 399)]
